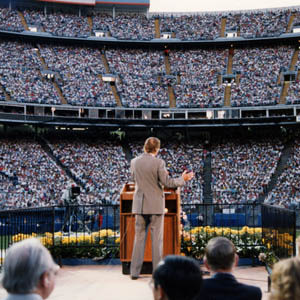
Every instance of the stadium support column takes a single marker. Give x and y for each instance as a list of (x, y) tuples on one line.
[(114, 12)]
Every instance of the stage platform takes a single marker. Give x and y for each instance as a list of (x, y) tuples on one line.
[(107, 282)]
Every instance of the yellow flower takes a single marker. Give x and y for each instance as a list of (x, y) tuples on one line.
[(187, 238), (106, 232)]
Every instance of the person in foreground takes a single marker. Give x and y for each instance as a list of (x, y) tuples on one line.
[(176, 278), (150, 176), (28, 271), (221, 258), (286, 280)]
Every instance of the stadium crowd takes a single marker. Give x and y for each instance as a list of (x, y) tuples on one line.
[(20, 74), (80, 70), (192, 27), (125, 26), (253, 24), (198, 85), (58, 23), (100, 166), (28, 177), (240, 171), (138, 72), (287, 189), (141, 76), (132, 26), (10, 20), (259, 79)]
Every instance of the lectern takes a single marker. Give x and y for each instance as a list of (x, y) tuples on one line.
[(127, 228)]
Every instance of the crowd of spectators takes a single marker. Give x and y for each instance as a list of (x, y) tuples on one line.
[(80, 70), (198, 85), (180, 156), (28, 177), (132, 26), (287, 189), (254, 24), (138, 72), (141, 79), (192, 27), (2, 95), (20, 75), (260, 69), (240, 171), (293, 96), (296, 20), (125, 26), (59, 23), (10, 20), (99, 165)]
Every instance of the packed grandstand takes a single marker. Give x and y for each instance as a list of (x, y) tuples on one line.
[(34, 172)]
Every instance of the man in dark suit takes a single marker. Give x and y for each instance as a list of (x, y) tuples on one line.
[(150, 176), (176, 277), (220, 258)]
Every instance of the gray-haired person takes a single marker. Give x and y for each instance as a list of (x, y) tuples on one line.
[(28, 271)]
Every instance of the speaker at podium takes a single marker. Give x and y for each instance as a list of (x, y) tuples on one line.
[(127, 228)]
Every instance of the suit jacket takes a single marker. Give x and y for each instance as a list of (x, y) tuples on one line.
[(23, 297), (150, 176), (224, 286)]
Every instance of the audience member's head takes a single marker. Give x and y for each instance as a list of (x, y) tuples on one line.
[(286, 280), (29, 268), (220, 255), (177, 278), (152, 145)]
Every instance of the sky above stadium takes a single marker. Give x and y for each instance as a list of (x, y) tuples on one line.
[(216, 5)]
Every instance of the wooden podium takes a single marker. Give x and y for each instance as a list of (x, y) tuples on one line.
[(127, 228)]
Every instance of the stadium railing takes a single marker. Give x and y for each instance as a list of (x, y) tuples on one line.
[(92, 231)]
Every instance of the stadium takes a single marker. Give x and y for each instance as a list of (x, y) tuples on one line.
[(84, 83)]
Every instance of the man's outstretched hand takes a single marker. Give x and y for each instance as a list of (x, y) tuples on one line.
[(187, 175)]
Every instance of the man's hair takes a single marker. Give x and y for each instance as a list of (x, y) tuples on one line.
[(220, 253), (151, 145), (180, 277), (24, 264)]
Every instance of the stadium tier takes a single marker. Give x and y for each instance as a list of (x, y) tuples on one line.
[(147, 78), (35, 173), (188, 27)]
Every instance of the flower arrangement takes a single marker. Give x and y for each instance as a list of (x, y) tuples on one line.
[(248, 241), (268, 258), (97, 245)]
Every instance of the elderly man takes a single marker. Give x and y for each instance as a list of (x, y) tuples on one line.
[(29, 271), (221, 258)]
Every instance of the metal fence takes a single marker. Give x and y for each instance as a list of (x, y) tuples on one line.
[(279, 230), (92, 231)]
